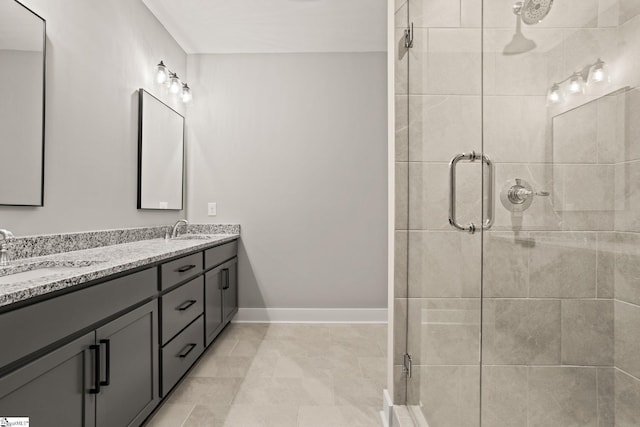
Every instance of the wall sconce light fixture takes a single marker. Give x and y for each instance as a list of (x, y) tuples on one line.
[(575, 83), (164, 76)]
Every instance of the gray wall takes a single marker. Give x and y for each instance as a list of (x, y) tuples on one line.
[(98, 55), (293, 147)]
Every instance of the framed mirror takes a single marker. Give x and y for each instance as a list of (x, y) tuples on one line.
[(160, 154), (22, 55)]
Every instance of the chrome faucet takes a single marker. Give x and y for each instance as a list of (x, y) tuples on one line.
[(174, 231), (4, 251)]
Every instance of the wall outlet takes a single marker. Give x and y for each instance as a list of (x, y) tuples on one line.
[(212, 210)]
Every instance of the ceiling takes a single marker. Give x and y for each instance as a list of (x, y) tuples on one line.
[(274, 26)]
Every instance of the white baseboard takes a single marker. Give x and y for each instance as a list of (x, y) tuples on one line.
[(311, 315)]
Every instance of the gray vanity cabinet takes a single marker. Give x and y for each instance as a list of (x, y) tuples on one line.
[(221, 298), (54, 389), (106, 378), (229, 290), (129, 368)]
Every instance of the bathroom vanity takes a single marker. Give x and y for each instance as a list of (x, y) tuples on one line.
[(104, 344)]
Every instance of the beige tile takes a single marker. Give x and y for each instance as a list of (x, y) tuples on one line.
[(245, 348), (606, 397), (435, 258), (443, 126), (401, 15), (562, 396), (400, 264), (470, 13), (353, 390), (575, 135), (429, 195), (262, 416), (399, 385), (504, 391), (505, 265), (626, 400), (399, 329), (435, 13), (454, 62), (562, 265), (628, 9), (373, 367), (202, 391), (521, 332), (627, 196), (566, 14), (585, 188), (210, 415), (285, 391), (515, 129), (245, 331), (611, 125), (221, 367), (402, 128), (450, 395), (606, 265), (402, 195), (338, 416), (627, 345), (171, 415), (627, 267), (584, 46), (608, 13), (444, 331), (587, 332)]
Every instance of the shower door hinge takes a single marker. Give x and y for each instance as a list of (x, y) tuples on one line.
[(406, 365), (408, 37)]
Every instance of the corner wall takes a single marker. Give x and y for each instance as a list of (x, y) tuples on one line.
[(294, 148)]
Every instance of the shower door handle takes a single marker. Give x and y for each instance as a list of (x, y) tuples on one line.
[(471, 157)]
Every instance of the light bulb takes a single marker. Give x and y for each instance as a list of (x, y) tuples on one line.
[(162, 73), (599, 73), (576, 84), (554, 95), (174, 84), (186, 93)]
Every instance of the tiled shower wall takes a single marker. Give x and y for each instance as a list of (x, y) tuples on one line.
[(561, 283)]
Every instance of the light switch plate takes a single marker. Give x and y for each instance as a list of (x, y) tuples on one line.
[(212, 209)]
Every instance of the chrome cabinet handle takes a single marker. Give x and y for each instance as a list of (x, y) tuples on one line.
[(471, 157)]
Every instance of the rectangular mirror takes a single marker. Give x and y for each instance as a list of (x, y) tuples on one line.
[(22, 71), (160, 154)]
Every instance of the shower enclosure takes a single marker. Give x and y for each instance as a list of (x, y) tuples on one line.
[(517, 287)]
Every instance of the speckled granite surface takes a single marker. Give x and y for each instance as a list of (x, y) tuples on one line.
[(35, 246), (29, 277)]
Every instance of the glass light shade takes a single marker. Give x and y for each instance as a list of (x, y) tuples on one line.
[(576, 84), (186, 93), (599, 73), (174, 84), (555, 95), (162, 73)]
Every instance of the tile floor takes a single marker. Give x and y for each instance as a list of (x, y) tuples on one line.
[(284, 375)]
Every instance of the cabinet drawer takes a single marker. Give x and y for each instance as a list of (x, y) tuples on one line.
[(219, 254), (180, 353), (181, 306), (180, 269), (51, 320)]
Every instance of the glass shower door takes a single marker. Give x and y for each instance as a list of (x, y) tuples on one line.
[(532, 319), (444, 116), (560, 316)]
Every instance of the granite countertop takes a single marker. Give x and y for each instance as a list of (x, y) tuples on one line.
[(30, 277)]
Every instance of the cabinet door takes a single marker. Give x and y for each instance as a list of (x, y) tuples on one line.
[(129, 371), (54, 389), (229, 289), (213, 304)]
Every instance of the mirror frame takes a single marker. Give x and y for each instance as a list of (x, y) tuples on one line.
[(141, 93), (44, 102)]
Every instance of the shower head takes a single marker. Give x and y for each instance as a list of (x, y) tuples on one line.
[(532, 11)]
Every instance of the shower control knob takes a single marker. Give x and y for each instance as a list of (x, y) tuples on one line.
[(517, 195)]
